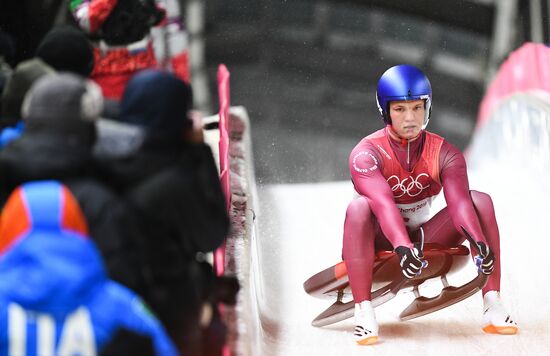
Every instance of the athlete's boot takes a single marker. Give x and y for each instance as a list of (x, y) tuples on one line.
[(366, 329), (496, 319)]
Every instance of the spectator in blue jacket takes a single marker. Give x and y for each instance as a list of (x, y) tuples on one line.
[(55, 297)]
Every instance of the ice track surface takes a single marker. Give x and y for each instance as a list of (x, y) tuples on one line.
[(300, 233), (303, 236)]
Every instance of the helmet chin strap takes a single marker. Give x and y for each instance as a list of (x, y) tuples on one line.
[(426, 121), (428, 113)]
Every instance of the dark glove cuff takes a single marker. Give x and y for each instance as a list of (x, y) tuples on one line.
[(401, 250)]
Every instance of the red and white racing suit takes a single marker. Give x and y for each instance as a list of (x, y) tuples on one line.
[(396, 181)]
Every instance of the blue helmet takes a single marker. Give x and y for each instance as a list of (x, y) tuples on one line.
[(403, 82)]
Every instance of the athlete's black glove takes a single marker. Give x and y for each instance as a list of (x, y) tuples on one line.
[(485, 259), (411, 261)]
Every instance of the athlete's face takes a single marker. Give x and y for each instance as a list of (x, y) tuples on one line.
[(407, 117)]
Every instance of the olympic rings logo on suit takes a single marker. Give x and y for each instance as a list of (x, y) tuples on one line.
[(412, 188)]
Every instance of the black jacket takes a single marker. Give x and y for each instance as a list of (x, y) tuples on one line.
[(46, 155), (173, 187), (176, 195), (179, 191)]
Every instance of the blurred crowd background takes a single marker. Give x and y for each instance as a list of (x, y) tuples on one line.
[(306, 69)]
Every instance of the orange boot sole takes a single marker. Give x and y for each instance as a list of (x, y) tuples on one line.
[(502, 330), (368, 341)]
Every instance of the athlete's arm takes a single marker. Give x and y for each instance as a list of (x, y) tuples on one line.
[(454, 177), (365, 169)]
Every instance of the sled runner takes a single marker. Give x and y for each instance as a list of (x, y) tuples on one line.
[(388, 280)]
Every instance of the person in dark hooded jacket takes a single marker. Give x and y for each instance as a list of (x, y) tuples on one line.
[(60, 112), (17, 86), (174, 187)]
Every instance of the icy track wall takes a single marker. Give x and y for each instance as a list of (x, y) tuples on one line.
[(242, 319), (525, 69), (510, 151), (509, 158), (248, 323), (515, 140)]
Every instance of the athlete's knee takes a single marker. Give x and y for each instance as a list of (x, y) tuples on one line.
[(482, 201), (359, 208)]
